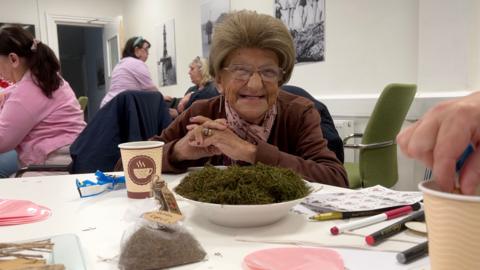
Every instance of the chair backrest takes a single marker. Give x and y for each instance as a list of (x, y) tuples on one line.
[(83, 100), (379, 166), (329, 131), (129, 116)]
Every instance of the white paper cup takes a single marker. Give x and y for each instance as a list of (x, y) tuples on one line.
[(453, 224), (142, 164)]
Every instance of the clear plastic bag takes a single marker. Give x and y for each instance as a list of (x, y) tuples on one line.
[(151, 245)]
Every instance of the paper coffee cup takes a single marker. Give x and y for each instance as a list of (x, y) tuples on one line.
[(142, 164), (453, 224)]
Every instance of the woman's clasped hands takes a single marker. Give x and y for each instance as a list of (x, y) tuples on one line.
[(207, 137)]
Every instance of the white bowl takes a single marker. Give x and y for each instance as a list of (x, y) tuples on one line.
[(243, 215)]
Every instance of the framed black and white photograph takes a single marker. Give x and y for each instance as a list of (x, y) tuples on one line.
[(211, 12), (306, 21), (167, 61)]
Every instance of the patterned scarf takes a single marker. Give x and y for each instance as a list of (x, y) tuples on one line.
[(251, 132)]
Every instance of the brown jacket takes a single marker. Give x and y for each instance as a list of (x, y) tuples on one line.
[(295, 142)]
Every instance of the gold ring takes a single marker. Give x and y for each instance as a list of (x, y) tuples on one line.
[(207, 132)]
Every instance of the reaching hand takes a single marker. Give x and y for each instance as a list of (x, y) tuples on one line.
[(183, 102), (441, 136)]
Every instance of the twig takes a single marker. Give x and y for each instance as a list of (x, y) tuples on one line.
[(45, 267), (15, 249)]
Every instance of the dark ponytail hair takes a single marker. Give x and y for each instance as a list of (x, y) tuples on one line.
[(40, 59), (132, 43)]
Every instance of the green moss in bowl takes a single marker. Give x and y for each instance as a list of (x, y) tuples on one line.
[(247, 185)]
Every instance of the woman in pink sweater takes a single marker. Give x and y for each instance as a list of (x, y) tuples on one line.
[(39, 114), (131, 73)]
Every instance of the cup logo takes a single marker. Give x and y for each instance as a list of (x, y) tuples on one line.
[(141, 169)]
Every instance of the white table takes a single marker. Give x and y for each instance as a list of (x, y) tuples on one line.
[(100, 221)]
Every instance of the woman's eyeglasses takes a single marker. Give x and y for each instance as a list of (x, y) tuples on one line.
[(245, 72)]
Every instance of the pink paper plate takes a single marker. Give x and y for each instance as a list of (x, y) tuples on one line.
[(44, 214), (15, 212), (294, 258), (17, 208)]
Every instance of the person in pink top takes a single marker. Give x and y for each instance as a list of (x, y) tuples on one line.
[(8, 160), (131, 73), (39, 114)]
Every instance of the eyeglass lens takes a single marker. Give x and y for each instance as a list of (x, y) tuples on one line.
[(244, 72)]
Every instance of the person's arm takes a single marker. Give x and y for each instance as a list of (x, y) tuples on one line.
[(182, 103), (15, 123), (142, 75), (155, 88), (439, 138), (309, 155)]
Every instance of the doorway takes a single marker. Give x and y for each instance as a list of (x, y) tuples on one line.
[(81, 57)]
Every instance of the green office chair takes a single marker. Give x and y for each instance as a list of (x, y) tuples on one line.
[(83, 100), (378, 150)]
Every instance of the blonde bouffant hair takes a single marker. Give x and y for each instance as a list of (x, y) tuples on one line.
[(248, 29), (202, 64)]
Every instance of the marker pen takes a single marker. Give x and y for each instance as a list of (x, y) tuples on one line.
[(373, 219), (459, 165), (380, 235), (461, 160), (413, 253), (351, 214)]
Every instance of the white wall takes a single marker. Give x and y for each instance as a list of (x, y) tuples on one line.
[(475, 48), (142, 16), (448, 45), (35, 11), (85, 8), (21, 11), (261, 6), (368, 42)]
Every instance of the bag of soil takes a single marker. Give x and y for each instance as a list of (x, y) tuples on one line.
[(154, 245)]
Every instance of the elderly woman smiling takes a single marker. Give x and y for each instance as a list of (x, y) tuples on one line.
[(252, 120)]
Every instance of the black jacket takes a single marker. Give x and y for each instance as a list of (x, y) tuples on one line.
[(207, 92), (129, 116)]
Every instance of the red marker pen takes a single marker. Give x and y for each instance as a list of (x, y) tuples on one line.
[(391, 214)]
